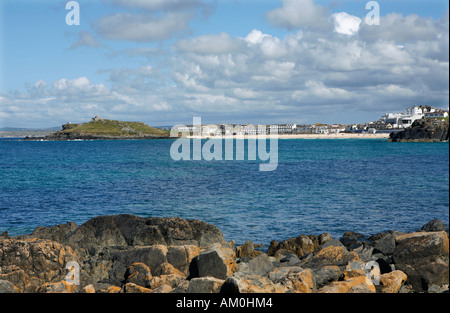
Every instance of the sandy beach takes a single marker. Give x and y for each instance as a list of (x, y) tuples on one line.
[(302, 136)]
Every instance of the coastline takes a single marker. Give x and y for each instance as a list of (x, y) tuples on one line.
[(131, 254), (300, 136)]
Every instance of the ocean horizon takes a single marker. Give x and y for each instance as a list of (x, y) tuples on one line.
[(363, 185)]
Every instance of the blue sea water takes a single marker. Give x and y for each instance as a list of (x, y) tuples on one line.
[(368, 186)]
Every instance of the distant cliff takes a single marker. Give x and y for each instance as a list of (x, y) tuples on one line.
[(98, 129), (423, 130)]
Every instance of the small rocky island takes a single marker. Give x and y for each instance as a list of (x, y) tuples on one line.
[(423, 130), (103, 129), (131, 254)]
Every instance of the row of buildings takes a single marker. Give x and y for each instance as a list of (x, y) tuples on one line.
[(392, 121), (387, 123)]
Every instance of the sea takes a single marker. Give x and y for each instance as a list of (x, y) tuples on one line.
[(320, 185)]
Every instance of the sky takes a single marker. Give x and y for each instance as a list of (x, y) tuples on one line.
[(163, 62)]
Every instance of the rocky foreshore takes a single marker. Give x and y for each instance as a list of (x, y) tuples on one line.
[(130, 254), (423, 130)]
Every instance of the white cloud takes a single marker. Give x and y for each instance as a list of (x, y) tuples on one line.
[(256, 36), (346, 24)]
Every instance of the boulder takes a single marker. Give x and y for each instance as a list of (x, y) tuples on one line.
[(324, 238), (130, 230), (294, 279), (351, 239), (392, 282), (160, 259), (433, 225), (167, 269), (325, 275), (385, 245), (134, 288), (205, 285), (331, 256), (358, 284), (424, 258), (248, 283), (163, 289), (59, 287), (218, 262), (300, 246), (259, 265), (138, 274), (172, 280), (58, 233), (31, 262), (247, 250)]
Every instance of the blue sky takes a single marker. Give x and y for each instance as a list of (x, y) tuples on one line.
[(259, 61)]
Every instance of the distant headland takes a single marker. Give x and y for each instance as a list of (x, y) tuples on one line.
[(103, 129)]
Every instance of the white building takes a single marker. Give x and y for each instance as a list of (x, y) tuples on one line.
[(403, 120)]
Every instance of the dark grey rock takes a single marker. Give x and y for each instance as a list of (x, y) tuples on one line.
[(130, 230), (423, 130), (325, 275), (259, 265), (433, 225), (290, 259), (385, 245), (58, 233), (333, 242), (423, 256)]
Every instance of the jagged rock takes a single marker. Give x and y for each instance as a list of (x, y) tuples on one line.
[(324, 238), (289, 259), (172, 280), (392, 282), (58, 233), (167, 269), (300, 245), (325, 275), (385, 245), (245, 283), (110, 289), (354, 269), (59, 287), (259, 265), (331, 255), (247, 250), (205, 285), (433, 225), (423, 130), (134, 288), (88, 289), (333, 243), (217, 262), (351, 239), (31, 262), (424, 257), (294, 279), (130, 230), (359, 284), (163, 289), (138, 274)]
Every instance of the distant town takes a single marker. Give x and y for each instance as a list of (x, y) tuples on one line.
[(390, 122)]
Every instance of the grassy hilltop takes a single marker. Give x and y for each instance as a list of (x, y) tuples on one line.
[(107, 129), (113, 128)]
